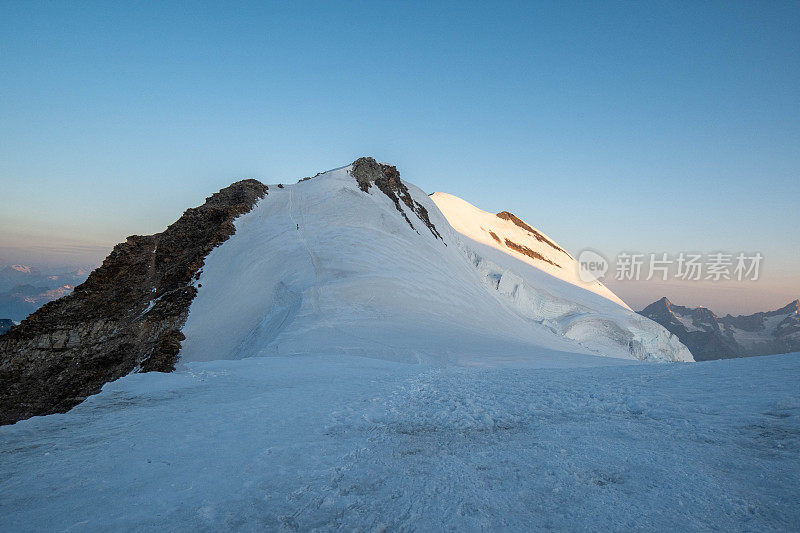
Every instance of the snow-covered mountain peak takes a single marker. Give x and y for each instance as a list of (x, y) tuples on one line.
[(513, 236), (354, 261), (357, 261), (709, 336), (792, 308)]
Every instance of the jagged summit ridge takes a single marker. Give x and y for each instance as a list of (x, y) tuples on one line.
[(127, 315)]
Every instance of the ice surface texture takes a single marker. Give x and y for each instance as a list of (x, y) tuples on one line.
[(347, 443)]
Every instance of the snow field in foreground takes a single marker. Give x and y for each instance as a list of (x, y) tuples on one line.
[(352, 443)]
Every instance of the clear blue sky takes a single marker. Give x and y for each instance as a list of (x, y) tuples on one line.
[(632, 126)]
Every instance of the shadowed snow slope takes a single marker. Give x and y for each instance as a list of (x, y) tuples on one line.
[(351, 444), (324, 267)]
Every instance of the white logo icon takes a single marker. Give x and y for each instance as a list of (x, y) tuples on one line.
[(591, 266)]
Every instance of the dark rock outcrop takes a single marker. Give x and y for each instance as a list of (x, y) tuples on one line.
[(511, 217), (524, 250), (367, 171), (711, 337), (125, 317)]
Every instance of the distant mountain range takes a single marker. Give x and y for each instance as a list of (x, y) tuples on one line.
[(25, 288), (711, 337)]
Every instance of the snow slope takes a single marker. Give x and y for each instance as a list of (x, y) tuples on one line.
[(491, 230), (345, 443), (323, 267)]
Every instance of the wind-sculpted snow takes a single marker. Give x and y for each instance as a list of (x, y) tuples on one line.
[(332, 265), (344, 443), (602, 328)]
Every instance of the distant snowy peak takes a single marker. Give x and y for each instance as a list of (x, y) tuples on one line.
[(792, 308), (506, 232), (693, 319), (709, 336)]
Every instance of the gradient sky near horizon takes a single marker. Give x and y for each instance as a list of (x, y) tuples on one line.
[(649, 126)]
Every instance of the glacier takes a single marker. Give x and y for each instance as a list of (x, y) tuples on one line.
[(324, 442), (323, 267)]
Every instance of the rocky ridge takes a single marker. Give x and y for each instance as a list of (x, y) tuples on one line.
[(367, 171), (125, 317), (511, 217)]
